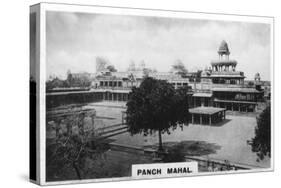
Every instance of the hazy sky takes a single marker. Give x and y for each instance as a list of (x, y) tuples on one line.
[(74, 40)]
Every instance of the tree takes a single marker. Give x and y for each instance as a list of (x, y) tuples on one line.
[(250, 83), (69, 150), (147, 71), (101, 63), (55, 83), (69, 78), (179, 68), (156, 106), (111, 68), (261, 143)]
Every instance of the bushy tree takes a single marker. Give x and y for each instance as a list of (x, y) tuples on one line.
[(156, 106), (56, 83), (69, 151), (179, 68), (251, 83), (261, 143), (111, 68)]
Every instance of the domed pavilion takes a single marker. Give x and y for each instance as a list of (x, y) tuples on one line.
[(224, 69)]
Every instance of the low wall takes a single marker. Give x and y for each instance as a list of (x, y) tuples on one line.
[(66, 98)]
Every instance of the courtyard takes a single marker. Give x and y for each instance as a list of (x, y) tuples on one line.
[(228, 138), (224, 142)]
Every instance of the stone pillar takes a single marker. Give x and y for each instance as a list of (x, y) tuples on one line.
[(69, 126), (232, 107), (210, 119), (200, 119), (93, 120), (81, 123), (112, 96), (93, 123), (57, 127), (192, 119)]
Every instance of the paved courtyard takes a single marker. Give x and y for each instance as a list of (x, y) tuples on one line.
[(230, 137)]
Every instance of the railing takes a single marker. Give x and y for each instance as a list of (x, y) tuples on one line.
[(220, 165), (113, 88), (228, 73), (218, 85), (204, 163)]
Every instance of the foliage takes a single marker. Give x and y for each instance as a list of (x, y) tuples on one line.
[(179, 68), (251, 83), (261, 143), (78, 80), (147, 71), (73, 80), (111, 68), (56, 83), (69, 152), (156, 106)]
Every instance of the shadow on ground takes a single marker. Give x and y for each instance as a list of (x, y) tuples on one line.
[(220, 124), (190, 147)]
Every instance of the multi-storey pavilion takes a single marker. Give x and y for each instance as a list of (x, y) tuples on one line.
[(225, 86), (224, 69)]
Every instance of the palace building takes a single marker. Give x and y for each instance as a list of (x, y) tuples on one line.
[(220, 86)]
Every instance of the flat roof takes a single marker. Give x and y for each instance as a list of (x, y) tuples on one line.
[(90, 91), (69, 92), (241, 90), (113, 90), (224, 62), (205, 110), (226, 76), (231, 101), (202, 95)]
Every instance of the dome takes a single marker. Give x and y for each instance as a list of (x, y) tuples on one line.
[(257, 77), (223, 49)]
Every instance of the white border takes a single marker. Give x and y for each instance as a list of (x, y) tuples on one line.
[(35, 9), (136, 12)]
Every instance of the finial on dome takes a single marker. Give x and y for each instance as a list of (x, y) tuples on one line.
[(223, 49)]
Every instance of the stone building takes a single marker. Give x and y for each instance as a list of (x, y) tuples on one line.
[(219, 86), (223, 86)]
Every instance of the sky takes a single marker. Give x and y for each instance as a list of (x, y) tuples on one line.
[(74, 40)]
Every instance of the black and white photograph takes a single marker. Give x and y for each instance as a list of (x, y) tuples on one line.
[(126, 91)]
